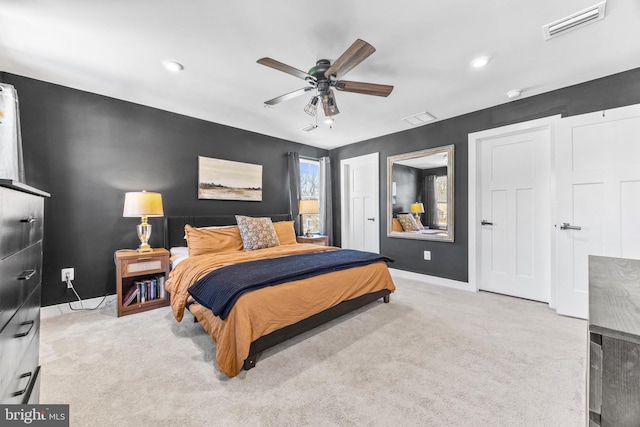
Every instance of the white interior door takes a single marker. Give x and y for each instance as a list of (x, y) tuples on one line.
[(598, 191), (515, 214), (360, 202)]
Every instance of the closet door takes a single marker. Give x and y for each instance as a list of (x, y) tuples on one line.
[(598, 198), (515, 214)]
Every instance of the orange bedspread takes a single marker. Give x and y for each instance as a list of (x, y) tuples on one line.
[(263, 311)]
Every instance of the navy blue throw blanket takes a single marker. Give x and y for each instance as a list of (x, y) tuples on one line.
[(221, 288)]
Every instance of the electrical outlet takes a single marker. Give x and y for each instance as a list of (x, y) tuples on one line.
[(427, 255), (67, 273)]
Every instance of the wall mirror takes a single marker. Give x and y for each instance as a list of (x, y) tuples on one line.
[(420, 191)]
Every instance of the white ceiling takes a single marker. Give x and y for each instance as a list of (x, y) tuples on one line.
[(424, 48)]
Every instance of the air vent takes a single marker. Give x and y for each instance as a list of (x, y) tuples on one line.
[(309, 127), (419, 119), (574, 21)]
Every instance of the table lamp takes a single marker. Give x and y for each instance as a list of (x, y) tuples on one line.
[(308, 207), (143, 204), (417, 209)]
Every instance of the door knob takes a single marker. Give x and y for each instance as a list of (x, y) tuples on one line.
[(371, 219), (485, 222)]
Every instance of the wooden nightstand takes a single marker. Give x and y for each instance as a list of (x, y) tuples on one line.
[(138, 270), (316, 240)]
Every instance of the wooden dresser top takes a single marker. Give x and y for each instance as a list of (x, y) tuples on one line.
[(614, 297)]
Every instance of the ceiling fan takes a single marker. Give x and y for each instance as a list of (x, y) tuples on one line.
[(324, 76)]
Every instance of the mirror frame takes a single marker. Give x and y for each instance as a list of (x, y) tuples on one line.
[(449, 149)]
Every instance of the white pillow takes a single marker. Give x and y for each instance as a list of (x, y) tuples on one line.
[(178, 254)]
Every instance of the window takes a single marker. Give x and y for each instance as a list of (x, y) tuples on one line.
[(441, 201), (310, 190)]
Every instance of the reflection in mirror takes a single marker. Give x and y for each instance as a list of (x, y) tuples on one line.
[(420, 192)]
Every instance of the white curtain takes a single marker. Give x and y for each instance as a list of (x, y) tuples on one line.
[(11, 161), (326, 216)]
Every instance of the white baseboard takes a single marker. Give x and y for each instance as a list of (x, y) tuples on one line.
[(432, 280), (57, 310)]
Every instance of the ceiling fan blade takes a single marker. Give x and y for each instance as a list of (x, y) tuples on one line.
[(357, 52), (364, 88), (285, 68), (288, 96)]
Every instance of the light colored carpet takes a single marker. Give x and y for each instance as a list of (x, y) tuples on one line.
[(432, 357)]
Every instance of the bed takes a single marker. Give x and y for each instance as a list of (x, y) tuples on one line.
[(267, 315)]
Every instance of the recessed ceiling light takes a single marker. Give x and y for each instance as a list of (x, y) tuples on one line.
[(173, 66), (480, 62), (513, 94)]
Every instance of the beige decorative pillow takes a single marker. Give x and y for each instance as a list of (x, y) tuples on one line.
[(212, 240), (286, 233), (257, 233), (408, 222)]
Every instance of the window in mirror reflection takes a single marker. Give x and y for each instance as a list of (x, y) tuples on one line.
[(441, 202)]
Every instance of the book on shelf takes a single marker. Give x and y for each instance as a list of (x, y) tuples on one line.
[(150, 289), (143, 290), (133, 294), (161, 292)]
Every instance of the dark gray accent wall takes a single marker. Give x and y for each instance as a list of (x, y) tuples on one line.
[(450, 260), (408, 184), (87, 150)]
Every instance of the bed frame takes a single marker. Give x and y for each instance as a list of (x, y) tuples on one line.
[(174, 236)]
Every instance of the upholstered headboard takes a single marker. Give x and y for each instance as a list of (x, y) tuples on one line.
[(174, 225)]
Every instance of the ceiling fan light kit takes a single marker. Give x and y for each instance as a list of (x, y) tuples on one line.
[(312, 106), (329, 104), (324, 76)]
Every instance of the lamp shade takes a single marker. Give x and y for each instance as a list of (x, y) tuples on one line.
[(310, 206), (417, 208), (142, 203)]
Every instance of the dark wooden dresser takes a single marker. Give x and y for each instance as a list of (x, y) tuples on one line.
[(614, 344), (21, 229)]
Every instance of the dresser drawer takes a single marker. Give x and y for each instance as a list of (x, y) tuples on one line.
[(144, 264), (20, 274), (16, 336), (21, 382), (21, 220)]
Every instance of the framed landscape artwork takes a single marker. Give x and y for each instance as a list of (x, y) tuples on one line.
[(227, 180)]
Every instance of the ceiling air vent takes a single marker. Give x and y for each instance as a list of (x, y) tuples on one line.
[(574, 21), (419, 119)]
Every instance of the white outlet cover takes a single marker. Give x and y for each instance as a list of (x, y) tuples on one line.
[(427, 255), (63, 274)]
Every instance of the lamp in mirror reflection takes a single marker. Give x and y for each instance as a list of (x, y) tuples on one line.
[(417, 209), (143, 204)]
